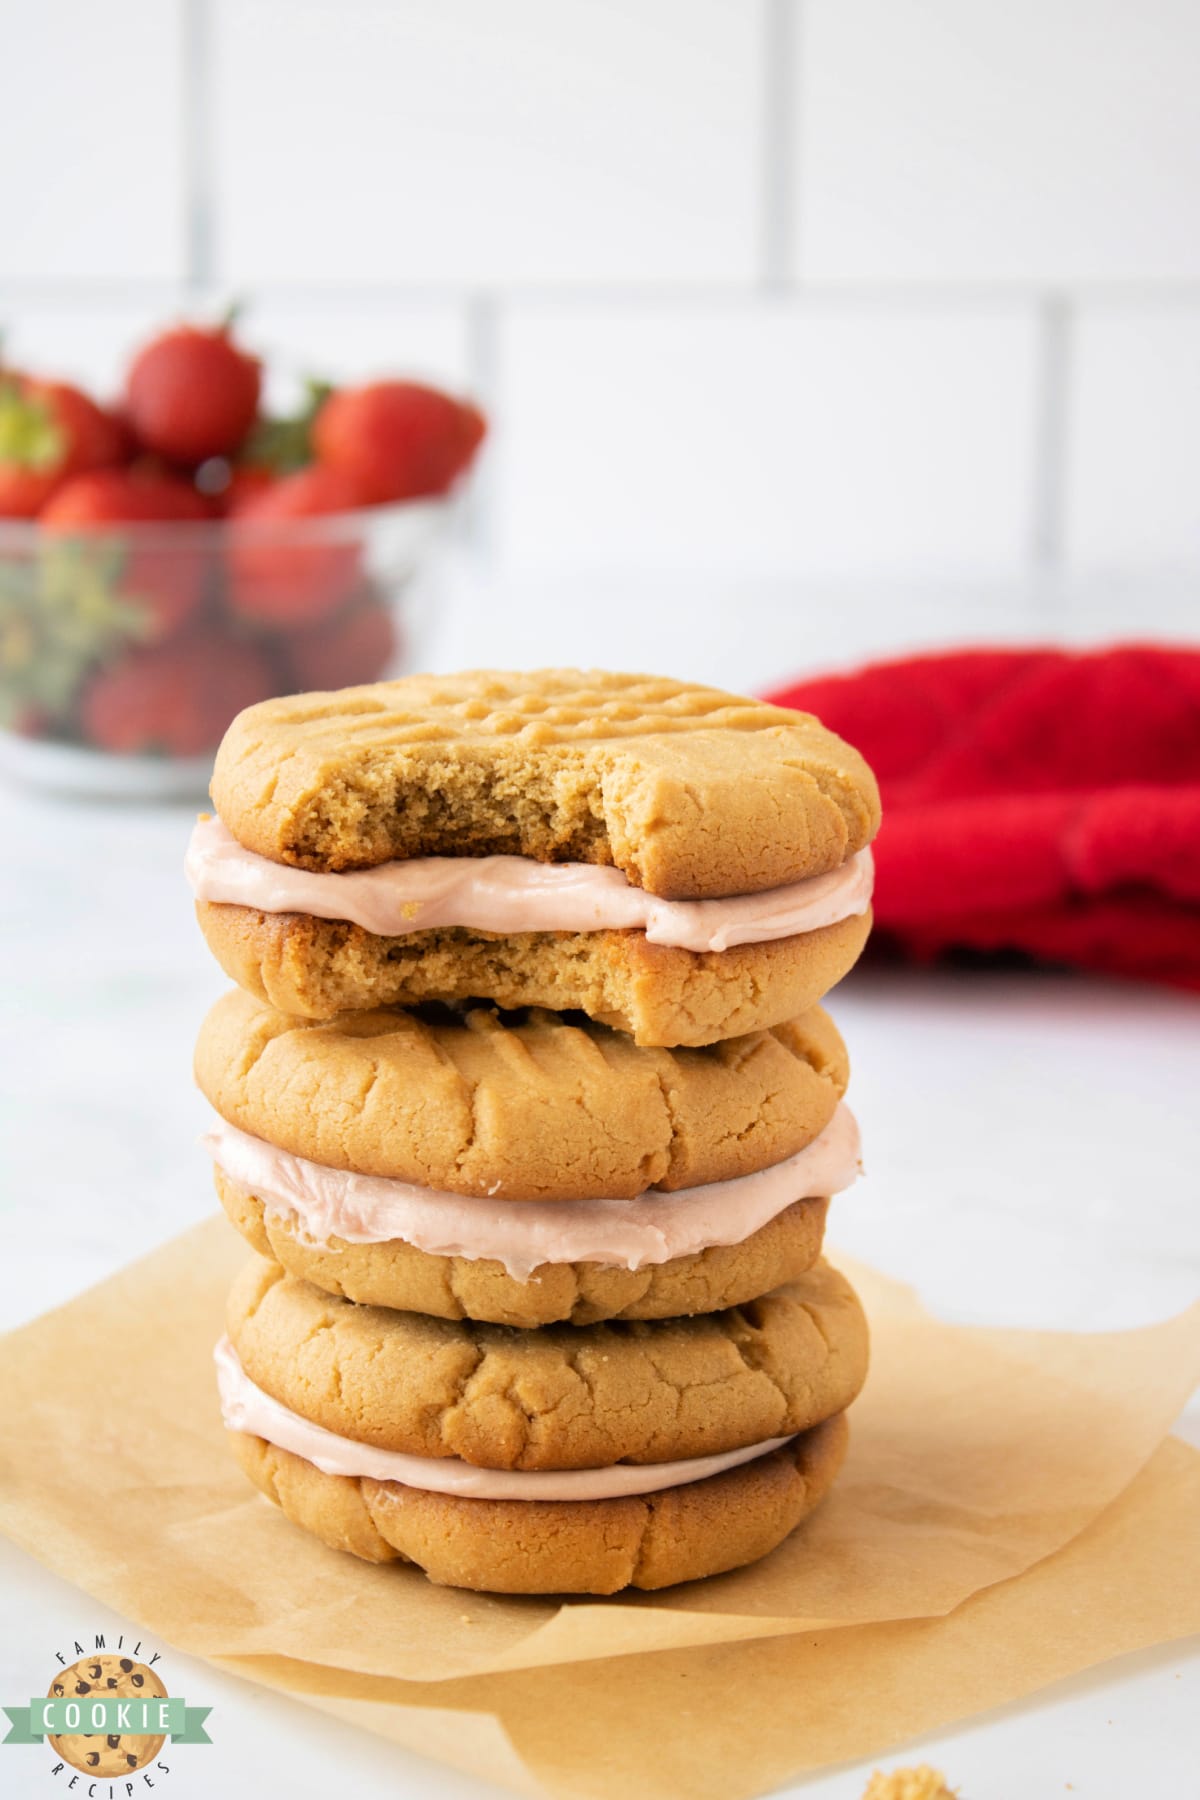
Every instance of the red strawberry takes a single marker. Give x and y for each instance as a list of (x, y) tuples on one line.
[(246, 482), (174, 699), (49, 431), (191, 394), (355, 646), (124, 497), (282, 572), (165, 578), (400, 439)]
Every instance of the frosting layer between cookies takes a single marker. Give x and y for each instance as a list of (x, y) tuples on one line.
[(245, 1407), (509, 894), (654, 1228)]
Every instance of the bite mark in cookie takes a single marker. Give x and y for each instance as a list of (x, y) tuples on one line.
[(661, 995), (691, 792)]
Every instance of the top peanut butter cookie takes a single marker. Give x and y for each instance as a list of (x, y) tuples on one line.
[(692, 793)]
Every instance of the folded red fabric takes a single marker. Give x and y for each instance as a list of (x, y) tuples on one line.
[(1035, 800)]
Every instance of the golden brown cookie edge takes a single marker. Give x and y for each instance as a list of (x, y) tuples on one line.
[(580, 1546)]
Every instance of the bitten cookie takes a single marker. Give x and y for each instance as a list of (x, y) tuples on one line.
[(564, 1547), (689, 791), (531, 1106), (658, 993), (561, 1398)]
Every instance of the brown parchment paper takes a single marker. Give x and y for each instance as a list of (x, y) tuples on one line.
[(732, 1720), (975, 1455)]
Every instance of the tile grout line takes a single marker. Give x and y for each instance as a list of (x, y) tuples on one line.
[(199, 198), (1051, 435), (781, 44)]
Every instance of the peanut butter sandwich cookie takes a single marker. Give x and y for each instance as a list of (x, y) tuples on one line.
[(674, 861), (565, 1460), (525, 1168)]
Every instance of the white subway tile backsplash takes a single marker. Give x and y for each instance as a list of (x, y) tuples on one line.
[(397, 141), (962, 140), (1134, 439), (385, 181), (765, 439), (91, 146), (749, 635)]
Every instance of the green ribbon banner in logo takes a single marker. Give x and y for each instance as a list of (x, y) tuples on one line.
[(103, 1713)]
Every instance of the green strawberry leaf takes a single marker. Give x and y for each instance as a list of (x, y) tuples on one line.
[(284, 444), (30, 435)]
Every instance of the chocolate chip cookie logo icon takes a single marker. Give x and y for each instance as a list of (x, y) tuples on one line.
[(108, 1715)]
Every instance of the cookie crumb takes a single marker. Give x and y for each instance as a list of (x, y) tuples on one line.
[(909, 1784)]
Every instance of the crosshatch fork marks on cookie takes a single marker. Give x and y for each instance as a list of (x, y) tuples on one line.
[(551, 1107), (692, 793)]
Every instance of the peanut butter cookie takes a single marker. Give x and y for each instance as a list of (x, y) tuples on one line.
[(689, 791), (534, 1106)]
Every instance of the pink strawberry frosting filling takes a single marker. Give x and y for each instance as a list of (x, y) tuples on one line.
[(656, 1227), (508, 894), (245, 1407)]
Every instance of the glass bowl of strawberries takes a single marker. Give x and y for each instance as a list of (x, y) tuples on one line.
[(170, 560)]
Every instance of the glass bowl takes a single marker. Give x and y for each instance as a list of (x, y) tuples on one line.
[(126, 650)]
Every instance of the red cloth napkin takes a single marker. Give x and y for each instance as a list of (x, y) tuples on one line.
[(1034, 800)]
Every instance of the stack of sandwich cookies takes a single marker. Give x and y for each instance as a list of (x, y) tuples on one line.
[(542, 1307)]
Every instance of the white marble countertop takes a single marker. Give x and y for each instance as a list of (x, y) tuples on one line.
[(1033, 1146)]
